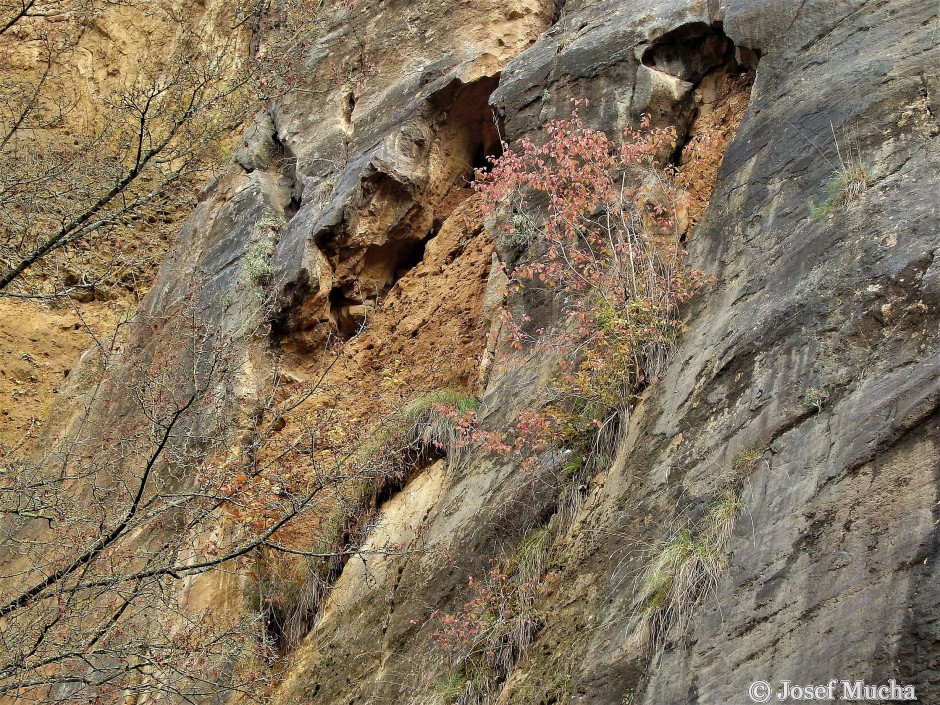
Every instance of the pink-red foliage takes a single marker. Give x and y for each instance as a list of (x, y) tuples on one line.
[(605, 223)]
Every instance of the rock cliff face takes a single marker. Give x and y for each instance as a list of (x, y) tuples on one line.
[(833, 565), (814, 355)]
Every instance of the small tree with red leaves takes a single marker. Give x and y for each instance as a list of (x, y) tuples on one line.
[(603, 223)]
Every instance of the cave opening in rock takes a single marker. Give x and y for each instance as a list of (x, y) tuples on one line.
[(697, 81), (381, 267), (348, 315), (694, 72), (489, 149), (391, 216), (410, 255), (469, 132)]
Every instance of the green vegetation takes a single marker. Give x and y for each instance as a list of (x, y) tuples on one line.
[(439, 421), (258, 265), (272, 222), (846, 187), (530, 556), (821, 210), (813, 398), (449, 688), (848, 183), (686, 567), (745, 459)]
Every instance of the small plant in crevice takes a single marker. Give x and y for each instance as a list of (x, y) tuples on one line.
[(257, 263), (822, 209), (683, 569), (272, 222), (450, 687), (484, 639), (814, 398), (258, 266), (849, 181), (744, 462), (442, 419)]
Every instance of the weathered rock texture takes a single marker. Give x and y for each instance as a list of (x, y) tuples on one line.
[(817, 345), (832, 573), (833, 561)]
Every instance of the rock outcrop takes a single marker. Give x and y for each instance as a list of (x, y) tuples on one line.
[(815, 354), (833, 568)]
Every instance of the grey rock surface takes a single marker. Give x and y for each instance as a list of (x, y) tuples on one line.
[(834, 562), (833, 570)]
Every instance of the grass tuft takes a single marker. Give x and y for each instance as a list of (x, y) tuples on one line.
[(850, 180), (449, 688), (428, 423), (686, 567)]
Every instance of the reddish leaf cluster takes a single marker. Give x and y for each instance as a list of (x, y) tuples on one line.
[(604, 224), (502, 606)]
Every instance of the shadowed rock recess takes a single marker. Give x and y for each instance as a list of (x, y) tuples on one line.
[(810, 367)]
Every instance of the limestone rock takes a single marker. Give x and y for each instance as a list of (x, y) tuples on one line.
[(833, 569)]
